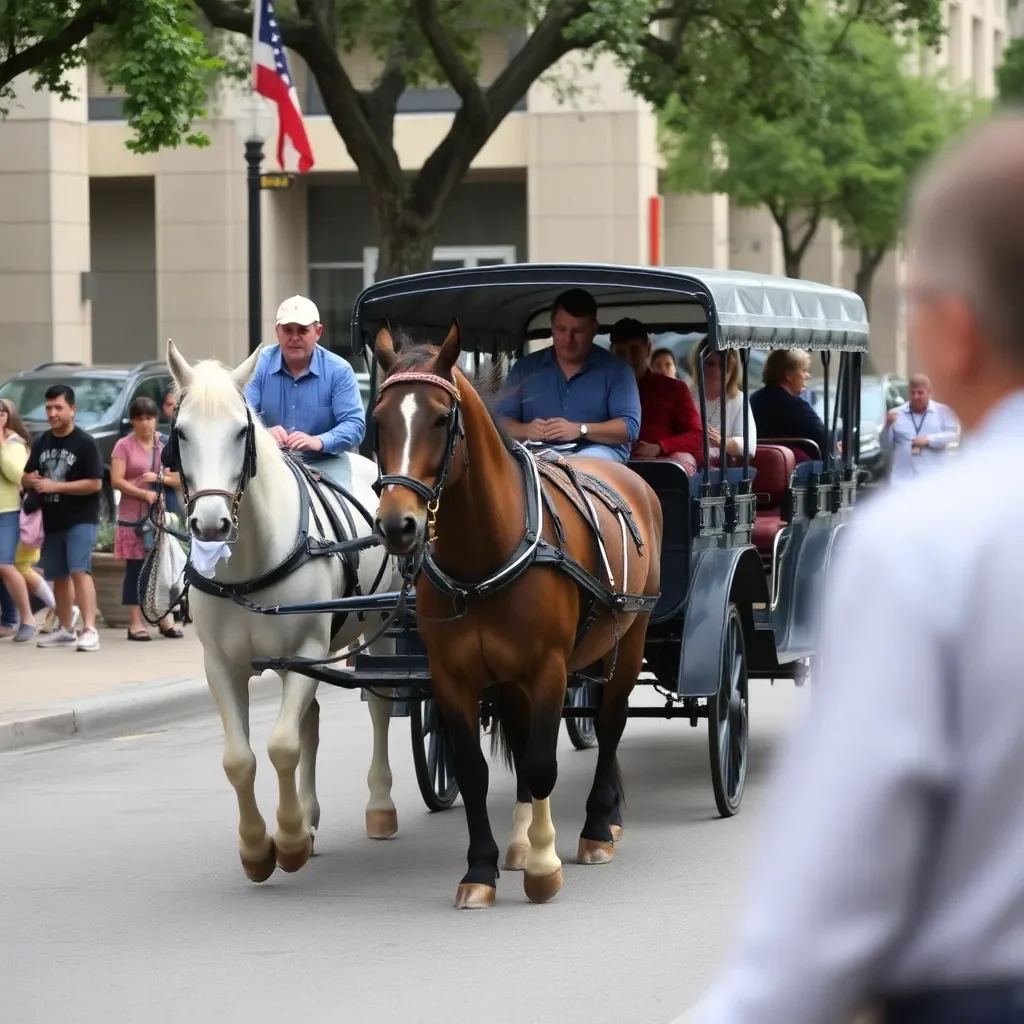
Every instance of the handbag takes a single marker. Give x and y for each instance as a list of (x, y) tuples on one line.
[(30, 528), (145, 529)]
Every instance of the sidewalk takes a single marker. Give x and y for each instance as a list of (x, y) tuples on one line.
[(49, 696), (30, 676)]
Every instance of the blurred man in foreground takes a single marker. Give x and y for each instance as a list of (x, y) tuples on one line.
[(891, 869)]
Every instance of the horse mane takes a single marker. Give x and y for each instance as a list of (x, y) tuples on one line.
[(412, 355), (212, 393)]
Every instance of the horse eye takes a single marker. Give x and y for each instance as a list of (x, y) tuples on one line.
[(242, 433), (441, 421), (181, 434)]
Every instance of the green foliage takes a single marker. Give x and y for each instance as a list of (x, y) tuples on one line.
[(1010, 74), (150, 48), (838, 130)]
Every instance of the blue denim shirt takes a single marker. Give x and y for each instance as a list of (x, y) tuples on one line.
[(323, 402), (604, 389)]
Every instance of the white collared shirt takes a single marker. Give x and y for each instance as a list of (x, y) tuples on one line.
[(938, 423), (892, 854)]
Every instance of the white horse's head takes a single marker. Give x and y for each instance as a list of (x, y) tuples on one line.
[(216, 436)]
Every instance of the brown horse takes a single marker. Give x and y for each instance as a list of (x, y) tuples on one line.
[(491, 610)]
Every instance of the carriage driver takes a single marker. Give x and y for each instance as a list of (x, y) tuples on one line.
[(307, 396), (573, 392)]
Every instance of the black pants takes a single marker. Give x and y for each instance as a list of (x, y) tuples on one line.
[(998, 1003), (130, 585)]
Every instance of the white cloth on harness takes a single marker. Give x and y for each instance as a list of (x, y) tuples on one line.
[(205, 554)]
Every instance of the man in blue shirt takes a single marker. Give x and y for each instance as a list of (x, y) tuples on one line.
[(307, 396), (573, 393)]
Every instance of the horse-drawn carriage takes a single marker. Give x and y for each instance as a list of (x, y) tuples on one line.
[(746, 543)]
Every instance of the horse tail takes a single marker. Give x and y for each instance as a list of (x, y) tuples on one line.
[(501, 747)]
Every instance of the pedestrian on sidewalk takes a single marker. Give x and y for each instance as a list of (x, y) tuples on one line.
[(65, 468), (15, 442), (919, 433), (135, 471), (890, 870)]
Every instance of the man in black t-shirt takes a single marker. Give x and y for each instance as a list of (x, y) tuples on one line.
[(66, 471)]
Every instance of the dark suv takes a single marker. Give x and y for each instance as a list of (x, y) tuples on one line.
[(102, 397)]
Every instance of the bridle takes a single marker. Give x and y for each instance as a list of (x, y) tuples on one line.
[(247, 474), (455, 432)]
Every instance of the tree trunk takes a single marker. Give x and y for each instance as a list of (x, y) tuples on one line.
[(795, 240), (406, 247), (864, 279)]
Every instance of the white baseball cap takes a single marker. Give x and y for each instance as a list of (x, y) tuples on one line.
[(298, 310)]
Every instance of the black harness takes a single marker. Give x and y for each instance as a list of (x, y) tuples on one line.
[(306, 547), (533, 549)]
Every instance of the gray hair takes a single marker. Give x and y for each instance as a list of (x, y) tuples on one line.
[(966, 229)]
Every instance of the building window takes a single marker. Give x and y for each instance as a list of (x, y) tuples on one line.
[(334, 287), (955, 45)]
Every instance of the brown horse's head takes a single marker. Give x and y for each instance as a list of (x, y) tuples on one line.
[(417, 422)]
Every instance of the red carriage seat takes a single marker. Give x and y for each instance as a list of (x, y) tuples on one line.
[(774, 465)]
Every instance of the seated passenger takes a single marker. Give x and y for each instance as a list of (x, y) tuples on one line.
[(778, 409), (669, 421), (573, 393), (663, 361), (734, 400)]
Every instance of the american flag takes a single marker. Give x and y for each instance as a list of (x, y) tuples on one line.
[(272, 79)]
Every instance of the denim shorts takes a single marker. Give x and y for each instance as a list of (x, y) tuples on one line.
[(68, 551), (10, 534)]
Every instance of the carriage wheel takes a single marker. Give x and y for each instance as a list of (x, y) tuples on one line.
[(432, 756), (728, 723), (582, 732)]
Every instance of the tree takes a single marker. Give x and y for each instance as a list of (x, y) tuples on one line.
[(435, 41), (1010, 73), (900, 120), (150, 48), (786, 140)]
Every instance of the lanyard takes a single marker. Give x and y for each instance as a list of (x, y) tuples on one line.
[(918, 424)]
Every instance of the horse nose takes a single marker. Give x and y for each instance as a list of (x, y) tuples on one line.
[(218, 531), (399, 532)]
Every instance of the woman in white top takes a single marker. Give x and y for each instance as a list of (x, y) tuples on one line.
[(734, 400)]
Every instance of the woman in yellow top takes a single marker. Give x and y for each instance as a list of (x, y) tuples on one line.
[(14, 449)]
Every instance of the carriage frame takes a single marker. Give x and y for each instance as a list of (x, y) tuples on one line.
[(743, 568)]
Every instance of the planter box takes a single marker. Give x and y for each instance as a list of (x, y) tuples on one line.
[(108, 575)]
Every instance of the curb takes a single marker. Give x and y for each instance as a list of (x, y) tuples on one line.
[(117, 713)]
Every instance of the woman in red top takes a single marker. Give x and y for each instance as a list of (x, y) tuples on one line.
[(669, 421)]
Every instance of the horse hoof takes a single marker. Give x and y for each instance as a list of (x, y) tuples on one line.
[(260, 869), (515, 857), (616, 833), (381, 824), (541, 888), (592, 851), (474, 896), (292, 861)]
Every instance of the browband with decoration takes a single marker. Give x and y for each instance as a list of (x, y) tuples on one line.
[(414, 377)]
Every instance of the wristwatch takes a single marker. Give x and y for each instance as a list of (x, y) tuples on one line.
[(584, 430)]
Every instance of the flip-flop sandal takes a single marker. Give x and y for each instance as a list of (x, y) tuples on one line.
[(172, 634), (140, 637)]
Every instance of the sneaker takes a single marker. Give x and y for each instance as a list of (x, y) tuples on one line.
[(88, 640), (6, 631), (60, 637), (25, 633), (50, 622)]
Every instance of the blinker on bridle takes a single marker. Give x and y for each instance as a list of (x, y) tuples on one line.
[(431, 495)]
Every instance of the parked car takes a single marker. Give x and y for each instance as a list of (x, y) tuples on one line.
[(879, 394), (102, 397)]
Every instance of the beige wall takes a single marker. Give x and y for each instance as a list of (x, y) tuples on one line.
[(44, 229)]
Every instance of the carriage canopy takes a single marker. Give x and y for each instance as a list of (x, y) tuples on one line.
[(500, 307)]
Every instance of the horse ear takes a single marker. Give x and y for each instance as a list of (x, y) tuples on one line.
[(384, 348), (451, 347), (179, 367), (242, 373)]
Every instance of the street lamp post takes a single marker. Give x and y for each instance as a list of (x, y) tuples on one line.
[(253, 124)]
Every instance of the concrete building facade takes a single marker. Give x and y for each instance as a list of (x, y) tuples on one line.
[(104, 254)]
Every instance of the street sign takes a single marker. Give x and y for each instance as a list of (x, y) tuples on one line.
[(274, 181)]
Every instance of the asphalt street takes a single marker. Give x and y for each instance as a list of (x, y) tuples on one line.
[(122, 899)]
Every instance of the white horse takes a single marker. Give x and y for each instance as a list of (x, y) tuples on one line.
[(263, 511)]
